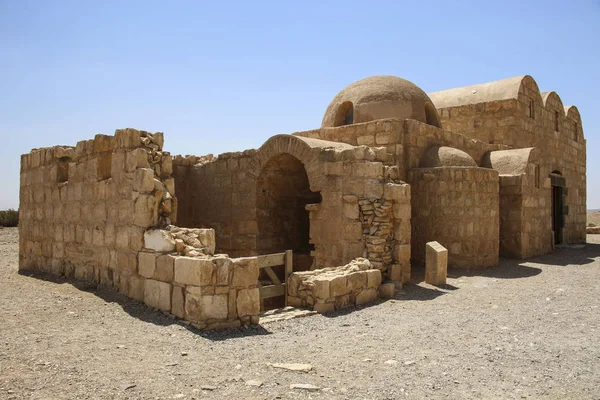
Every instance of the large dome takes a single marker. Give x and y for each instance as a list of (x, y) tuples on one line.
[(379, 97)]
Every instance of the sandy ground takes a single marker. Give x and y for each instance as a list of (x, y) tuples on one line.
[(593, 217), (521, 330)]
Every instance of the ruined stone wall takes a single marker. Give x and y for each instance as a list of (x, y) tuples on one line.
[(211, 292), (89, 212), (222, 193), (459, 208), (217, 192), (533, 120), (334, 288), (84, 209)]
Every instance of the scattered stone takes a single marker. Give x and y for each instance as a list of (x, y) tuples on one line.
[(184, 353), (293, 367), (411, 362), (208, 387), (391, 362), (305, 386), (253, 382), (238, 366), (128, 386)]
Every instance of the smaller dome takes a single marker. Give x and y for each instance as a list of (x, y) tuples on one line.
[(380, 97), (442, 156)]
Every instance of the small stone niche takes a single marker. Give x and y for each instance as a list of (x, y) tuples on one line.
[(62, 170), (104, 166)]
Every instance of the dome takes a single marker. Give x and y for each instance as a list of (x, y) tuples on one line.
[(380, 97), (441, 156)]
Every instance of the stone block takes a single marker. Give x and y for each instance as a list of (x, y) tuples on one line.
[(436, 263), (248, 302), (202, 308), (351, 211), (187, 271), (321, 289), (159, 240), (157, 294), (387, 290), (144, 210), (164, 268), (178, 302), (245, 272), (373, 278), (338, 286), (356, 281), (143, 180), (223, 266), (136, 287), (146, 264), (366, 296), (323, 308)]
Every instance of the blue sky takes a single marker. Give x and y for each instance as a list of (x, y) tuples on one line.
[(225, 76)]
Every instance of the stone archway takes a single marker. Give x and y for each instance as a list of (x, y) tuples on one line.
[(282, 193)]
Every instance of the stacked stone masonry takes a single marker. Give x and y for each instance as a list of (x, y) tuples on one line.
[(328, 289), (496, 169)]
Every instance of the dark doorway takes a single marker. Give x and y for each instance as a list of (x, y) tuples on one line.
[(558, 194), (283, 191), (557, 216)]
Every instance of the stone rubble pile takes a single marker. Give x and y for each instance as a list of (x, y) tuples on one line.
[(332, 288)]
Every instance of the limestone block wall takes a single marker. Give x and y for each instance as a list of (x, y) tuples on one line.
[(228, 193), (211, 292), (459, 208), (525, 220), (328, 289), (405, 141), (84, 209), (217, 192), (533, 119)]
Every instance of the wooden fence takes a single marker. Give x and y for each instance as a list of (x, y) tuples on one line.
[(278, 288)]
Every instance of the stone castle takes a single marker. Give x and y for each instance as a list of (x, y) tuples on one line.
[(491, 170)]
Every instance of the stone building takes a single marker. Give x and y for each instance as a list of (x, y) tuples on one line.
[(490, 170)]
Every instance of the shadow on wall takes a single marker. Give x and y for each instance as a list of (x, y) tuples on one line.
[(141, 311)]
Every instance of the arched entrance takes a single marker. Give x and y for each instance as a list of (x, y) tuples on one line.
[(282, 193)]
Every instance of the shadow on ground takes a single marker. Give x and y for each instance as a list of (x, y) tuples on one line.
[(141, 311), (507, 269)]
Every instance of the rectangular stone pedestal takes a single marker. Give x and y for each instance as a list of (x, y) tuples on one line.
[(436, 264)]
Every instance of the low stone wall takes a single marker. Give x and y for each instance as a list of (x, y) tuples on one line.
[(328, 289), (209, 291)]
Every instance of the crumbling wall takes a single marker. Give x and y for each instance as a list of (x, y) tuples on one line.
[(225, 193), (218, 193), (459, 208), (89, 212), (209, 291), (333, 288), (84, 209)]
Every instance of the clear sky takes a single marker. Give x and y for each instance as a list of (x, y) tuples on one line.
[(226, 75)]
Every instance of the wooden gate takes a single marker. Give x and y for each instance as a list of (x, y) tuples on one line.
[(278, 288)]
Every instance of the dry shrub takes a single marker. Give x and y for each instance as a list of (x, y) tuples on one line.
[(9, 218)]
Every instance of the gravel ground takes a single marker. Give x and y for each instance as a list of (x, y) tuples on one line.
[(521, 330)]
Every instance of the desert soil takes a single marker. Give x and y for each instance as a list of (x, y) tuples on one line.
[(593, 217), (521, 330)]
